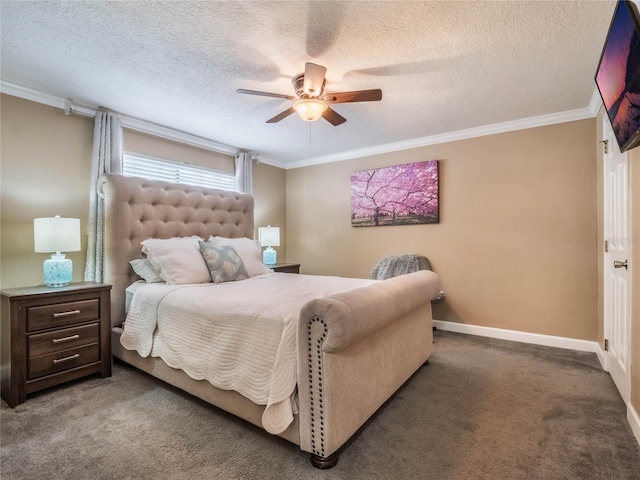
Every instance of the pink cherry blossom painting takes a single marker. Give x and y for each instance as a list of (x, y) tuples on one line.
[(398, 195)]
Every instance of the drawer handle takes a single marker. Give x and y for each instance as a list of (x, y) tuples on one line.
[(66, 314), (66, 359), (66, 339)]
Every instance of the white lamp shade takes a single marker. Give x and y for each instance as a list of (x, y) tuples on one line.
[(269, 236), (55, 234)]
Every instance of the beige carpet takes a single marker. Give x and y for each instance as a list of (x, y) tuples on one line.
[(482, 409)]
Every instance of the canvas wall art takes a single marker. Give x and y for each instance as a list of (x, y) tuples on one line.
[(398, 195)]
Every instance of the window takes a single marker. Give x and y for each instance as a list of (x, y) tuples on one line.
[(135, 165)]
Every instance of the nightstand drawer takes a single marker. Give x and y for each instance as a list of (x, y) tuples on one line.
[(43, 343), (60, 314), (63, 360)]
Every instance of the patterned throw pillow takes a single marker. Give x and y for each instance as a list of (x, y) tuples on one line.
[(223, 262), (249, 251)]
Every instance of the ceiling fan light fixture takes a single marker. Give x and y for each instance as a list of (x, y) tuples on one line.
[(310, 109)]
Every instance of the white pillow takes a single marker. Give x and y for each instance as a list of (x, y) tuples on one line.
[(178, 260), (249, 251)]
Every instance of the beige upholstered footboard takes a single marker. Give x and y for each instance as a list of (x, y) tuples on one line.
[(355, 349)]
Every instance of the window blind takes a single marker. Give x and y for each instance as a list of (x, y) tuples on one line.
[(135, 165)]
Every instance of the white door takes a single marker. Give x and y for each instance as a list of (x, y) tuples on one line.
[(617, 261)]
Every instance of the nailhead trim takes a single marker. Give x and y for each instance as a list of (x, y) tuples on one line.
[(317, 405)]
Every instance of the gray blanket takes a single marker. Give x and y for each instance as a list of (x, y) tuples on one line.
[(394, 265)]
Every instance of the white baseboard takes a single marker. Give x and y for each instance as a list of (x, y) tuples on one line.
[(524, 337), (634, 421)]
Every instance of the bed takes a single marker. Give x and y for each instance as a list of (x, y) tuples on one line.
[(353, 345)]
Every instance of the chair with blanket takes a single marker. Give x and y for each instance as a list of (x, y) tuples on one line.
[(395, 265)]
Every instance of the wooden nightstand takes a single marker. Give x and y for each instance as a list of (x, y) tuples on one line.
[(53, 335), (286, 268)]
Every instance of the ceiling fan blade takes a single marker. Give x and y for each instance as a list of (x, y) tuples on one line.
[(374, 95), (333, 117), (313, 79), (264, 94), (282, 115)]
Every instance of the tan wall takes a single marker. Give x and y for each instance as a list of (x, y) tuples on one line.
[(269, 191), (45, 168), (516, 242), (46, 165), (153, 146)]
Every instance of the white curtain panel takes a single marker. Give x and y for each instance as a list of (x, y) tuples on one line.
[(244, 173), (106, 158)]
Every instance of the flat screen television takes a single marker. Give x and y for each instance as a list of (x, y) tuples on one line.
[(618, 75)]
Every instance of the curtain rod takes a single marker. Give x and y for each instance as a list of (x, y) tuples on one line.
[(151, 128)]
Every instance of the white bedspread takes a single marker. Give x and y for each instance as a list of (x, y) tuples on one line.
[(238, 335)]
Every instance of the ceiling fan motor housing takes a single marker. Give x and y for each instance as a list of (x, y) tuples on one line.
[(298, 85)]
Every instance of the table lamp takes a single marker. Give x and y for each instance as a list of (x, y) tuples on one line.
[(269, 237), (55, 235)]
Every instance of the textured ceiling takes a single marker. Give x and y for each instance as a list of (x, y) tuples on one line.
[(442, 66)]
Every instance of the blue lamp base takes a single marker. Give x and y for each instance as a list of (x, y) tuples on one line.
[(269, 257), (57, 270)]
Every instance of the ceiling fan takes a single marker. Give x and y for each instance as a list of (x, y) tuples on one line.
[(311, 102)]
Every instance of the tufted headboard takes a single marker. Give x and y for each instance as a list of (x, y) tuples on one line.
[(137, 209)]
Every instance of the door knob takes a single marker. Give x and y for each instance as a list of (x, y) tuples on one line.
[(619, 264)]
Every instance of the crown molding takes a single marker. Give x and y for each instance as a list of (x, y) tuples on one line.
[(187, 138), (127, 121), (44, 98), (270, 161), (522, 124), (30, 94)]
